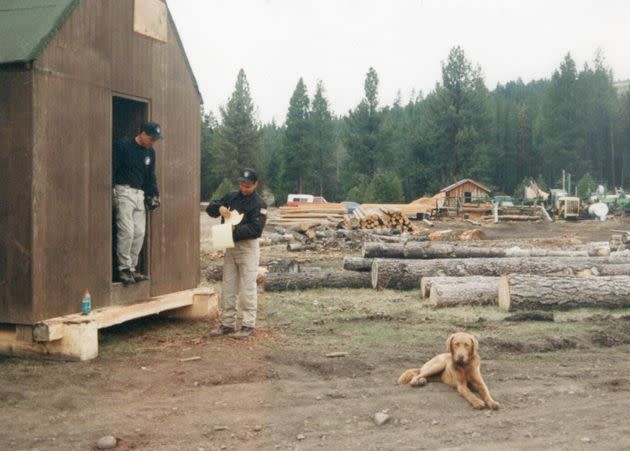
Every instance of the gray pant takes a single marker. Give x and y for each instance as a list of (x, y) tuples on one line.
[(240, 267), (131, 222)]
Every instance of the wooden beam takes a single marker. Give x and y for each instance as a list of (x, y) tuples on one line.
[(53, 329)]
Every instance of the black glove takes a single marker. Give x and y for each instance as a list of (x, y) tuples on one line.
[(152, 202)]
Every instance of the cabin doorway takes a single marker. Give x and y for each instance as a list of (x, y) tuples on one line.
[(127, 118)]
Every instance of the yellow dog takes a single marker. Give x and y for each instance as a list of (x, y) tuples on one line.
[(458, 368)]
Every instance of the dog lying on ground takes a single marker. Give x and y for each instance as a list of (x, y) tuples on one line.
[(459, 368)]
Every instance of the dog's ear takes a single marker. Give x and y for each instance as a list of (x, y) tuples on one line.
[(475, 344), (449, 343)]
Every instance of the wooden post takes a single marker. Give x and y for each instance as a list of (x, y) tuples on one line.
[(204, 305)]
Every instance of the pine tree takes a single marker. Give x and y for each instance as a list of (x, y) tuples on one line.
[(364, 138), (272, 143), (298, 146), (562, 137), (322, 129), (239, 140), (458, 126), (211, 162)]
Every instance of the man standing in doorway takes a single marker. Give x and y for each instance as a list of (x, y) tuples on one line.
[(135, 186), (240, 264)]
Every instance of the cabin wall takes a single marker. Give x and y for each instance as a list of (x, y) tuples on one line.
[(94, 56), (16, 170)]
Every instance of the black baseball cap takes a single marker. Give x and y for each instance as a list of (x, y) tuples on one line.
[(152, 129), (248, 176)]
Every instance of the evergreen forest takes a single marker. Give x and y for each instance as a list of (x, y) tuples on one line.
[(575, 120)]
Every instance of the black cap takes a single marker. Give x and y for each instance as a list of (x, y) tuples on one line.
[(152, 129), (248, 176)]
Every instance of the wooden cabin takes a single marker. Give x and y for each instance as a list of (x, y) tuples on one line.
[(75, 76), (466, 191)]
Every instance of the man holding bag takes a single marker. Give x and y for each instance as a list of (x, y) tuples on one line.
[(240, 264)]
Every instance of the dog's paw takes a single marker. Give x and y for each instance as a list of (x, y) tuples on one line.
[(407, 376), (418, 381), (478, 404), (493, 405)]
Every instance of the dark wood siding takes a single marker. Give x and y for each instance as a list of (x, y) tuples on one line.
[(94, 56), (15, 195)]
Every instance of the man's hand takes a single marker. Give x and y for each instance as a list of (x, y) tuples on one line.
[(153, 202), (224, 212)]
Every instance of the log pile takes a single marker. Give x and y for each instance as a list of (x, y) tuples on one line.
[(383, 217), (405, 274), (308, 214)]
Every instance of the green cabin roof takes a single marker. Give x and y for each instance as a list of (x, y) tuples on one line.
[(26, 26)]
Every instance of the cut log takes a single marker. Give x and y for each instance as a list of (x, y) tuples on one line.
[(534, 292), (430, 250), (298, 247), (520, 218), (303, 281), (443, 235), (283, 265), (357, 264), (472, 292), (405, 274), (472, 235), (611, 270), (427, 282)]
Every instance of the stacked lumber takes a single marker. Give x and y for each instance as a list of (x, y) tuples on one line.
[(308, 214), (383, 217)]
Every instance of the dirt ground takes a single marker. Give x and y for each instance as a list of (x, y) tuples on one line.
[(562, 385)]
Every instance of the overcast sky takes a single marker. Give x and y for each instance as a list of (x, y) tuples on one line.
[(278, 41)]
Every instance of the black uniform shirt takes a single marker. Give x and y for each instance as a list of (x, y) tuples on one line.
[(254, 211), (134, 165)]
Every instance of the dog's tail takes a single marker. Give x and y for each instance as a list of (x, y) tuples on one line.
[(406, 377)]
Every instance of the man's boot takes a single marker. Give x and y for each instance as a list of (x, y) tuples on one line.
[(221, 330), (126, 277), (245, 332)]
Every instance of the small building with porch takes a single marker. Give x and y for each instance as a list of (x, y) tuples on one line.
[(466, 192), (76, 76)]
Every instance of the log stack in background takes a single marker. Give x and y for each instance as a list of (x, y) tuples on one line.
[(384, 217), (308, 214)]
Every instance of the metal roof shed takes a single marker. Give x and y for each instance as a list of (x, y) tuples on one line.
[(74, 76)]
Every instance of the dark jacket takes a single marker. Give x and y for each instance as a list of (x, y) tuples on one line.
[(254, 211), (134, 165)]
